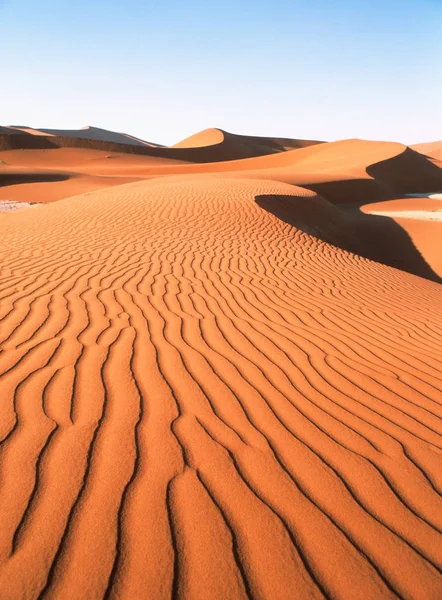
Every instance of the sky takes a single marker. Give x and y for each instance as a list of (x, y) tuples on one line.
[(163, 70)]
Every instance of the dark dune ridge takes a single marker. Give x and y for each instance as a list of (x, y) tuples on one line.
[(208, 146)]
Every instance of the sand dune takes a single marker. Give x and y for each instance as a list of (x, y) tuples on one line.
[(50, 175), (26, 184), (421, 219), (208, 137), (28, 130), (228, 146), (209, 388), (213, 145), (251, 414), (433, 149), (87, 132), (347, 171)]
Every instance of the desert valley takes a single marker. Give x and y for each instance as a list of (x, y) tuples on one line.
[(220, 367)]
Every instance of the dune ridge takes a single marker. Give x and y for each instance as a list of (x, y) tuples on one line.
[(87, 132), (206, 399), (230, 146), (433, 149), (212, 145), (220, 368), (348, 171)]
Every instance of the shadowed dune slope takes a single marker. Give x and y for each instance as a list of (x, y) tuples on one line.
[(57, 173), (45, 186), (212, 145), (25, 140), (424, 232), (348, 171), (433, 149), (81, 159), (356, 170), (88, 132), (427, 238), (203, 398), (408, 172), (230, 146), (27, 130), (9, 130)]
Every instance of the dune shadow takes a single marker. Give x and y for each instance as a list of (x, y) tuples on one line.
[(407, 173), (346, 190), (385, 241), (18, 178), (312, 215), (374, 237)]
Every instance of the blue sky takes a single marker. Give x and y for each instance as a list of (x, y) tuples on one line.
[(164, 70)]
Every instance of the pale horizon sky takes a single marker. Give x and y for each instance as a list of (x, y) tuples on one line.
[(160, 71)]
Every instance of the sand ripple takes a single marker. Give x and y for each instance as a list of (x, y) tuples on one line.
[(200, 400)]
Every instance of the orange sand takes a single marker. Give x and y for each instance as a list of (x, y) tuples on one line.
[(425, 233), (209, 389), (433, 149)]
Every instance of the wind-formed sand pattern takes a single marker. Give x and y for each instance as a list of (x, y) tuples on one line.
[(210, 390)]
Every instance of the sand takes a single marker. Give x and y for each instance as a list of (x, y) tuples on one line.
[(344, 172), (433, 149), (87, 132), (8, 205), (420, 215), (209, 388)]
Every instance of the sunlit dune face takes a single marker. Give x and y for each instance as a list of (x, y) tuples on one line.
[(220, 369)]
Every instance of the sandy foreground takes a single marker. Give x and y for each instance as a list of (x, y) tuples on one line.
[(214, 382)]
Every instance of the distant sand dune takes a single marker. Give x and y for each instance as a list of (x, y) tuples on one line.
[(349, 171), (29, 130), (205, 396), (212, 145), (230, 146), (433, 149), (92, 133)]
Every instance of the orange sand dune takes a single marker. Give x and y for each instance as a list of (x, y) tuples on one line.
[(25, 184), (345, 171), (426, 237), (29, 130), (88, 132), (50, 175), (208, 393), (208, 137), (81, 158), (348, 171), (212, 145), (417, 217), (38, 185), (229, 146), (433, 149)]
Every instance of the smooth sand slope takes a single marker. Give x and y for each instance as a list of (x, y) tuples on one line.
[(433, 149), (345, 172), (223, 145), (202, 398), (212, 145), (53, 174)]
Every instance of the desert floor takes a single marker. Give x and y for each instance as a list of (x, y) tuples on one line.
[(219, 379)]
